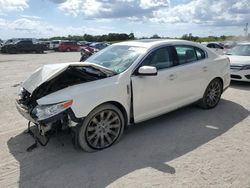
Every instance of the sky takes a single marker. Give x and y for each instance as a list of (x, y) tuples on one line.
[(169, 18)]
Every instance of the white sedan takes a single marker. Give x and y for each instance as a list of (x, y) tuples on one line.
[(123, 84), (240, 62)]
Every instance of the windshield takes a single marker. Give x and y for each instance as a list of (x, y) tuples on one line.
[(241, 50), (117, 58)]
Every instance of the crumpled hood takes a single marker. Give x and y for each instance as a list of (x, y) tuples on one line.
[(239, 60), (50, 71)]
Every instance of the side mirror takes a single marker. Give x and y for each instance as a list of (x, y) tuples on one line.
[(147, 71)]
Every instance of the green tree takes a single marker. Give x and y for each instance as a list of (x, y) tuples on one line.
[(155, 36), (131, 36)]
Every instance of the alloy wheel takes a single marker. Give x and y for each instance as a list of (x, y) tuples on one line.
[(213, 93), (103, 129)]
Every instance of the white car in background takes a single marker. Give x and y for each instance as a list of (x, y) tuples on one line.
[(54, 44), (240, 62), (123, 84)]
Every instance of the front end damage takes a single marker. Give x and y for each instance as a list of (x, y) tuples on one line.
[(51, 118)]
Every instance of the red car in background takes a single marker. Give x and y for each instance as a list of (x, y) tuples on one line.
[(69, 46)]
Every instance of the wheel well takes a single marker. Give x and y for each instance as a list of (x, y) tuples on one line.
[(121, 107), (221, 80)]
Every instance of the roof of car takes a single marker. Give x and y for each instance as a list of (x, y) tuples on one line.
[(147, 43)]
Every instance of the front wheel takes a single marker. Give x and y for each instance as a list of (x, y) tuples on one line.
[(212, 94), (102, 128), (12, 50)]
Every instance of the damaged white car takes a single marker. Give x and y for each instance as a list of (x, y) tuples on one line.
[(123, 84)]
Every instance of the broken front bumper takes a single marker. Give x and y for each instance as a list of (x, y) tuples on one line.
[(72, 120), (24, 112)]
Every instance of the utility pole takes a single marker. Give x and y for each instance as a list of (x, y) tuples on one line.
[(246, 30)]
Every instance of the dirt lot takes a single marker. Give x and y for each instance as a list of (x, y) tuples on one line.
[(190, 147)]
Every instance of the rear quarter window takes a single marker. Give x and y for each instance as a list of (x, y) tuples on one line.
[(200, 54)]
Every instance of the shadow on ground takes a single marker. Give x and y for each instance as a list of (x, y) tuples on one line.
[(149, 144), (240, 85)]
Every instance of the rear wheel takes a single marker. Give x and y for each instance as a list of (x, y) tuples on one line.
[(102, 128), (212, 94)]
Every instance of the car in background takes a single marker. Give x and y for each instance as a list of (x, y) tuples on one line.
[(46, 44), (86, 52), (240, 62), (68, 46), (215, 46), (23, 45), (98, 45), (123, 84), (12, 40), (84, 43), (54, 44), (229, 44)]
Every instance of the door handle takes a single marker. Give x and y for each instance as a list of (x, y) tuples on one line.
[(204, 69), (171, 77)]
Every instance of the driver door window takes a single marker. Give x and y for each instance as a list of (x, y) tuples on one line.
[(160, 58)]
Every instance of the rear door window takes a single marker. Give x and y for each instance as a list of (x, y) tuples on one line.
[(186, 54)]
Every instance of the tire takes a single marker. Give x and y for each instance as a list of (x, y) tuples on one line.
[(212, 94), (39, 51), (102, 128), (12, 50), (68, 50)]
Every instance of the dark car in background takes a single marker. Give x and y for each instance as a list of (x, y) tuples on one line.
[(23, 45), (215, 46), (98, 45), (68, 46)]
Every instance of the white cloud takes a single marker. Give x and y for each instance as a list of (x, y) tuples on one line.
[(31, 17), (112, 9), (208, 12), (146, 4), (33, 27), (11, 5), (88, 8), (212, 12)]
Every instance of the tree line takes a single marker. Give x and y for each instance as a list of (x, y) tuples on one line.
[(111, 37), (116, 37)]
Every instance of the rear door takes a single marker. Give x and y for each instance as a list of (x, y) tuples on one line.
[(192, 73), (25, 45)]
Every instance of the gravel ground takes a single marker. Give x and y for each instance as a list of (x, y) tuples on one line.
[(189, 147)]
